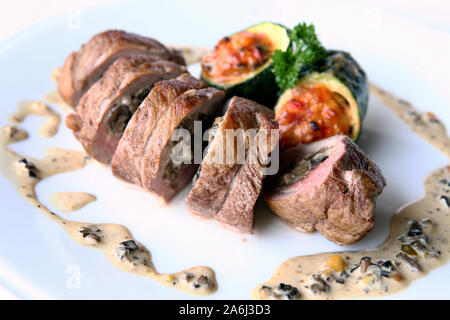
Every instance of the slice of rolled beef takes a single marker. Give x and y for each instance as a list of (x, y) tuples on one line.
[(329, 186), (177, 56), (133, 152), (84, 67), (151, 165), (105, 109), (228, 189)]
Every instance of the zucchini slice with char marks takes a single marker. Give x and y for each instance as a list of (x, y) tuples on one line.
[(329, 101), (241, 63)]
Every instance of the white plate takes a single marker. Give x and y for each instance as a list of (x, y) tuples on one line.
[(36, 256)]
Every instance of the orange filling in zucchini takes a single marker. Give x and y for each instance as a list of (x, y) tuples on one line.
[(314, 113), (236, 56)]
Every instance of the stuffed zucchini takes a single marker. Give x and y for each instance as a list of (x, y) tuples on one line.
[(329, 101), (241, 63)]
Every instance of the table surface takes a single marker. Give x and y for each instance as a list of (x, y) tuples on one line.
[(21, 14)]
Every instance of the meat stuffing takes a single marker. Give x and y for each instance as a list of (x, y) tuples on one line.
[(144, 154), (84, 67), (228, 190), (330, 186), (105, 109)]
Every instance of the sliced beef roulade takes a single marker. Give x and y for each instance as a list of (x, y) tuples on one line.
[(144, 155), (105, 109), (132, 154), (84, 67), (330, 186), (227, 187)]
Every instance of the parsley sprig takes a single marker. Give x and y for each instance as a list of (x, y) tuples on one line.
[(306, 52)]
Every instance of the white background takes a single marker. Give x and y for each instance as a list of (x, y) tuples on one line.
[(21, 14), (17, 15)]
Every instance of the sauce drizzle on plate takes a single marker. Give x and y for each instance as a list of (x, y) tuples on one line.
[(419, 240), (114, 240)]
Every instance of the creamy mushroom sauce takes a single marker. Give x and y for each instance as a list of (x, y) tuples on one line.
[(418, 241), (114, 240), (55, 98), (55, 74), (71, 201), (425, 125), (37, 108)]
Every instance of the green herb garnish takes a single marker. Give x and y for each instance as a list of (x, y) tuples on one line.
[(306, 52)]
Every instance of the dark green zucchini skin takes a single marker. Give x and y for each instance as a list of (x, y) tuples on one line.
[(261, 88), (341, 65)]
